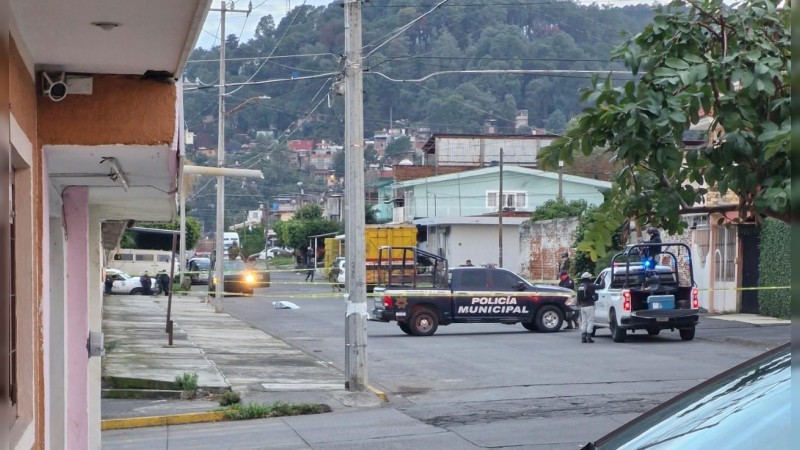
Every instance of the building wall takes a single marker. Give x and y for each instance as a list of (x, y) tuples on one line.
[(481, 150), (541, 246), (121, 110), (466, 196), (29, 427), (479, 243)]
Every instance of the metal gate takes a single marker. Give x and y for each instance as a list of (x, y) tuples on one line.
[(748, 237)]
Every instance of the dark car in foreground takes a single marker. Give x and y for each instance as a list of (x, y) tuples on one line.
[(237, 277), (746, 407)]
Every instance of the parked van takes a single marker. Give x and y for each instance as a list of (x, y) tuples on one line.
[(228, 239), (136, 262)]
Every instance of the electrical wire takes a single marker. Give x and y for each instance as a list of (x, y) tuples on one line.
[(402, 29)]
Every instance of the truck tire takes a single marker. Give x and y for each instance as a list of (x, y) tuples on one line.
[(687, 334), (530, 326), (404, 327), (617, 334), (137, 291), (423, 322), (549, 319)]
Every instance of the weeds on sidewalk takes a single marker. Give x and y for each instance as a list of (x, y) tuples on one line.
[(248, 411), (187, 383), (228, 398)]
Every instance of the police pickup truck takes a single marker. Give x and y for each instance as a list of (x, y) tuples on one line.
[(648, 287), (418, 291)]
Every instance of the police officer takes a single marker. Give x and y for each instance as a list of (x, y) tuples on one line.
[(566, 282), (655, 238), (587, 295)]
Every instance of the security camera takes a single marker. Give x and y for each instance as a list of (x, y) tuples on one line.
[(54, 89)]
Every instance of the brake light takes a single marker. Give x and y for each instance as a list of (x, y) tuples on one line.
[(626, 300), (387, 302), (695, 299)]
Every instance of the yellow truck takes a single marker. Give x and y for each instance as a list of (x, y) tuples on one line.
[(376, 236)]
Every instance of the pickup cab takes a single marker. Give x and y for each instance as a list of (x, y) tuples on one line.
[(648, 290), (419, 292)]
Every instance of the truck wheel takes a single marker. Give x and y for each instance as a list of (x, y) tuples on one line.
[(530, 326), (423, 322), (617, 334), (549, 319), (687, 334), (653, 331), (137, 291), (404, 326)]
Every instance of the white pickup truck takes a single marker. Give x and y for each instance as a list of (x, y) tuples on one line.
[(648, 287)]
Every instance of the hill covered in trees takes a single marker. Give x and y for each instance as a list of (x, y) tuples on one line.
[(459, 35)]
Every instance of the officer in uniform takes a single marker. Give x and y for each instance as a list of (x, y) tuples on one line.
[(587, 295)]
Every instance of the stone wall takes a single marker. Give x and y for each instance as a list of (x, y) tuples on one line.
[(541, 245)]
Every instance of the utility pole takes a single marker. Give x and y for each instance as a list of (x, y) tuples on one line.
[(560, 177), (500, 204), (356, 297), (220, 228)]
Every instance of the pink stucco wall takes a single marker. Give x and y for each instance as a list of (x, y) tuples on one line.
[(76, 218)]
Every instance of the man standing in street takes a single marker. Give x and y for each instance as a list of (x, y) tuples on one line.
[(146, 283), (566, 282), (587, 295)]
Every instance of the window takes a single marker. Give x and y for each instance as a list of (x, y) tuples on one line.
[(123, 257), (511, 199), (504, 281), (163, 258), (725, 254), (144, 258)]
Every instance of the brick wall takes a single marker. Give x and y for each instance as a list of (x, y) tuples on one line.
[(541, 245)]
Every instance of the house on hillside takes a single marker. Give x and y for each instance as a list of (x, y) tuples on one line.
[(96, 142), (459, 210)]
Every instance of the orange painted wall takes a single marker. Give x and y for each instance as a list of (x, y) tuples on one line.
[(22, 104), (22, 94), (121, 110)]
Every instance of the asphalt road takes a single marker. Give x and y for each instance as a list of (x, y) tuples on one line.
[(468, 377)]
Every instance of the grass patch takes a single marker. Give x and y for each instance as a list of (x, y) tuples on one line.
[(248, 411), (187, 381), (283, 261)]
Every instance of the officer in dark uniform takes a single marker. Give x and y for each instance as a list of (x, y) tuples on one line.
[(587, 295)]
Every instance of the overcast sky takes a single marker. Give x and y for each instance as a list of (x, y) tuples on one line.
[(244, 27)]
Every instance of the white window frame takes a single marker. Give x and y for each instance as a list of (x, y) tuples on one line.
[(511, 199)]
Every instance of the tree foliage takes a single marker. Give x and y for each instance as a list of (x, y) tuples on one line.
[(732, 62), (306, 222), (157, 241), (557, 209)]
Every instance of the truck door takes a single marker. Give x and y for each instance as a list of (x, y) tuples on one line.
[(509, 294), (603, 297), (468, 285)]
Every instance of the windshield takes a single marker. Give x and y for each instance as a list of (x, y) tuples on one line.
[(202, 264), (748, 408), (233, 265)]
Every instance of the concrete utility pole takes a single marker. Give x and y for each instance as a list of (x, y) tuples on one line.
[(220, 228), (500, 204), (356, 299), (560, 179)]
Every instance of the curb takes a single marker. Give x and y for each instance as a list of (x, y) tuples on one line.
[(160, 421), (380, 394)]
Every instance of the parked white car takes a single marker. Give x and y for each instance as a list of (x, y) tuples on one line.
[(125, 284)]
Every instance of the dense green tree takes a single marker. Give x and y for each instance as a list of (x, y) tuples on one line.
[(558, 209), (306, 222), (693, 58), (158, 241), (398, 149), (556, 122)]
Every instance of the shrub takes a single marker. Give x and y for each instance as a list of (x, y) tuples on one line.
[(228, 398), (773, 265)]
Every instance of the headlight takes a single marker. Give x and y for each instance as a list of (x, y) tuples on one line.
[(570, 301), (215, 280), (249, 278)]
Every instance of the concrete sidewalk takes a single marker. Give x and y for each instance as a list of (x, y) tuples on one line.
[(225, 352)]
